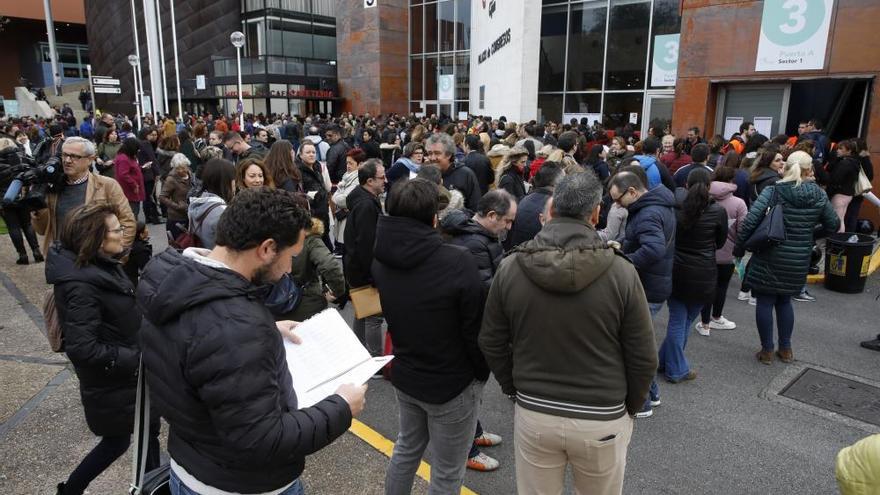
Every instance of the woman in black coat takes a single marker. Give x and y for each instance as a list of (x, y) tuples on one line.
[(99, 323), (701, 228), (844, 172), (313, 185), (509, 175), (370, 145)]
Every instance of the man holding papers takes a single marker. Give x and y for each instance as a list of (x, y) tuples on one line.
[(431, 296), (215, 362)]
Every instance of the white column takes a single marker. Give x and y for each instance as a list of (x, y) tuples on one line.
[(153, 59)]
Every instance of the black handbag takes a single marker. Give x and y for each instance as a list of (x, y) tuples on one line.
[(771, 231)]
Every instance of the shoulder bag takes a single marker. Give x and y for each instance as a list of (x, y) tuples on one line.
[(771, 231), (862, 185)]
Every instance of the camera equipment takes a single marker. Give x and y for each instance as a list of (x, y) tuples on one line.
[(42, 179)]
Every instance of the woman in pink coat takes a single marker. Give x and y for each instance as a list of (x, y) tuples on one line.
[(722, 190), (129, 175)]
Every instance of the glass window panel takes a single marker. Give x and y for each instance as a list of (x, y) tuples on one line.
[(549, 108), (462, 77), (583, 103), (321, 69), (463, 26), (430, 109), (431, 28), (258, 66), (415, 107), (278, 91), (416, 30), (297, 44), (83, 56), (295, 67), (627, 44), (67, 56), (431, 78), (666, 21), (278, 105), (297, 107), (274, 42), (325, 47), (259, 106), (446, 16), (276, 65), (586, 46), (252, 33), (415, 74), (261, 90), (446, 65), (462, 107), (247, 106), (552, 56), (618, 106)]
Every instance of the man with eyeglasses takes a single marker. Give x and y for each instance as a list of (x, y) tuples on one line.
[(81, 186), (649, 244)]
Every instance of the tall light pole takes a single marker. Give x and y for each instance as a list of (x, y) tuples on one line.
[(53, 52), (140, 78), (162, 56), (176, 65), (237, 40), (133, 60)]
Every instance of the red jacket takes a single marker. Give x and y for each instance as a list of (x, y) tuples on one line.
[(130, 177)]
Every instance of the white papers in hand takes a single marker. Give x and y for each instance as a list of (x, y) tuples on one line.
[(330, 355)]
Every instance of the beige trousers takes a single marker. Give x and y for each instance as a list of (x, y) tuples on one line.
[(544, 444)]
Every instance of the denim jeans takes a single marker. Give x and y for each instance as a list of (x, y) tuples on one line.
[(178, 488), (681, 316), (369, 332), (784, 320), (654, 391), (448, 427)]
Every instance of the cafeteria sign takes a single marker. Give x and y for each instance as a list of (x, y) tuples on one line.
[(794, 35)]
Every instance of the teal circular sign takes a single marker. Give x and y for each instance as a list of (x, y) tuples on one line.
[(666, 52), (792, 22)]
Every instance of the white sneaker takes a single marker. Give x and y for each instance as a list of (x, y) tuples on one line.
[(753, 301), (744, 296), (721, 323), (702, 329)]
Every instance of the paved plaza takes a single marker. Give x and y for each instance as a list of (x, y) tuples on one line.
[(728, 432)]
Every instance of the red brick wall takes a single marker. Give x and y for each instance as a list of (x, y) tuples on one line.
[(371, 46), (719, 42)]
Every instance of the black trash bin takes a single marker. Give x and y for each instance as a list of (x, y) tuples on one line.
[(846, 263)]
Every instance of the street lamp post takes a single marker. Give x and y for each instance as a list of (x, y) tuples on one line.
[(237, 40), (133, 61)]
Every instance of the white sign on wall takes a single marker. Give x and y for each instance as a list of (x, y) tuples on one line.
[(370, 3), (504, 56), (445, 87), (200, 81), (794, 34), (664, 66)]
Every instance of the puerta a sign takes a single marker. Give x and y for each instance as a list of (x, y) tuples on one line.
[(794, 35), (496, 45)]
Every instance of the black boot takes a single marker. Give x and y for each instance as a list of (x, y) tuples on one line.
[(38, 258), (60, 489), (22, 259)]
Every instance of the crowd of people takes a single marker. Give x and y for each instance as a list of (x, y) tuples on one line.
[(475, 234)]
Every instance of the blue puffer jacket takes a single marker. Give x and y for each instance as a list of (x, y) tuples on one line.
[(650, 241), (783, 269)]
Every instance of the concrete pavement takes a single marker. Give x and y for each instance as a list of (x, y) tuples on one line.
[(727, 432)]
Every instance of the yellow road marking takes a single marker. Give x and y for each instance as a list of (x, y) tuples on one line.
[(386, 447)]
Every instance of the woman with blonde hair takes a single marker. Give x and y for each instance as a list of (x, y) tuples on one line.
[(509, 174), (777, 273)]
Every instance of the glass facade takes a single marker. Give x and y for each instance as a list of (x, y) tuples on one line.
[(439, 45), (595, 56), (288, 62)]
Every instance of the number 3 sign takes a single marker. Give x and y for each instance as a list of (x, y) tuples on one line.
[(794, 34)]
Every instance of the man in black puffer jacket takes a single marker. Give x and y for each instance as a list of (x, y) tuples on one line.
[(215, 361), (481, 233)]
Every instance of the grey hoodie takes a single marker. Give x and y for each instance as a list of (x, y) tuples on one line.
[(204, 213)]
